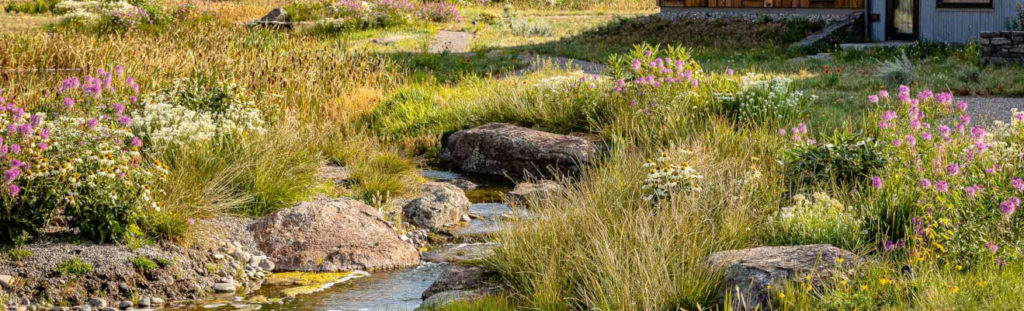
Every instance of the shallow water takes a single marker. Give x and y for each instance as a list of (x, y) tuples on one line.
[(398, 290)]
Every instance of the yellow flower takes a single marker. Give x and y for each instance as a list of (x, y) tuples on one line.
[(959, 267), (864, 287), (839, 260), (954, 289), (982, 283), (782, 295)]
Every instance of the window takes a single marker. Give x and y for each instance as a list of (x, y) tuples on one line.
[(975, 4)]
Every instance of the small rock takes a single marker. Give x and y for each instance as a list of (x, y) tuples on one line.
[(439, 300), (224, 287), (218, 256), (125, 305), (458, 277), (275, 15), (145, 302), (266, 264), (83, 308), (441, 204), (60, 308), (540, 191), (108, 309), (464, 184), (157, 301), (6, 281), (97, 302)]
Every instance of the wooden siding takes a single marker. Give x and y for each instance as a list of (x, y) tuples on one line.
[(781, 4)]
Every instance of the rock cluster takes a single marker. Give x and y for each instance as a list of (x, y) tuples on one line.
[(536, 192)]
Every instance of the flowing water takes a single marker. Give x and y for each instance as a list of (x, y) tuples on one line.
[(398, 290)]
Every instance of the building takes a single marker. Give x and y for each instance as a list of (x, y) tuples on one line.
[(950, 21)]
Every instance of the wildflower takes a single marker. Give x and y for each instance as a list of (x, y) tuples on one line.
[(873, 99), (952, 169), (839, 260), (1018, 184), (43, 146), (954, 289), (876, 182), (782, 295), (897, 142), (1008, 206), (925, 183), (941, 186), (992, 246), (962, 105), (136, 142), (911, 141), (69, 102), (972, 191), (191, 221), (883, 94), (14, 190), (782, 132), (92, 123), (864, 287)]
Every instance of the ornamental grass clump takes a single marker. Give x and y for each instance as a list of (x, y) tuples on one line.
[(78, 157)]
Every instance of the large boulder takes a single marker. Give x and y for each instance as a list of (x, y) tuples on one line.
[(461, 278), (277, 15), (518, 152), (332, 235), (540, 191), (440, 205), (748, 272)]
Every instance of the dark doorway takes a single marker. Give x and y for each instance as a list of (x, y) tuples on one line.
[(902, 19)]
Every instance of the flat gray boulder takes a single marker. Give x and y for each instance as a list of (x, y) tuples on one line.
[(748, 272), (440, 205), (518, 152), (332, 235)]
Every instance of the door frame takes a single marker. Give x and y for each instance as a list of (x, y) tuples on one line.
[(890, 17)]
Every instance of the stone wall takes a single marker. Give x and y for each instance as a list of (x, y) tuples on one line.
[(999, 47)]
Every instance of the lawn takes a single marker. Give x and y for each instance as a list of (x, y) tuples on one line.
[(186, 114)]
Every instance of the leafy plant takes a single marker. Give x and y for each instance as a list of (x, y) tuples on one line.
[(761, 99), (74, 267), (19, 254), (841, 159), (31, 7), (143, 264)]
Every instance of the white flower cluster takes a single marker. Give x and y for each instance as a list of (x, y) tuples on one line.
[(165, 123), (88, 12), (818, 218), (761, 97), (1006, 140), (666, 177)]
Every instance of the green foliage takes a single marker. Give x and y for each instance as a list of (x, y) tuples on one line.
[(841, 159), (19, 254), (819, 219), (763, 101), (525, 27), (31, 7), (74, 267), (143, 264), (898, 71), (636, 63), (486, 303)]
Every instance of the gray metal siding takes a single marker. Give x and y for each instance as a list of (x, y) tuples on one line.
[(951, 25)]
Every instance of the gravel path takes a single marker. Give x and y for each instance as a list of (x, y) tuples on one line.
[(988, 109), (451, 41)]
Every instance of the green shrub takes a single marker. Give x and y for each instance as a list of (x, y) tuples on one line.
[(31, 7), (143, 264), (819, 219), (74, 267), (841, 159), (19, 254)]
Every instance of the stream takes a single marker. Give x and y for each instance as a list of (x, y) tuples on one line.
[(396, 290)]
